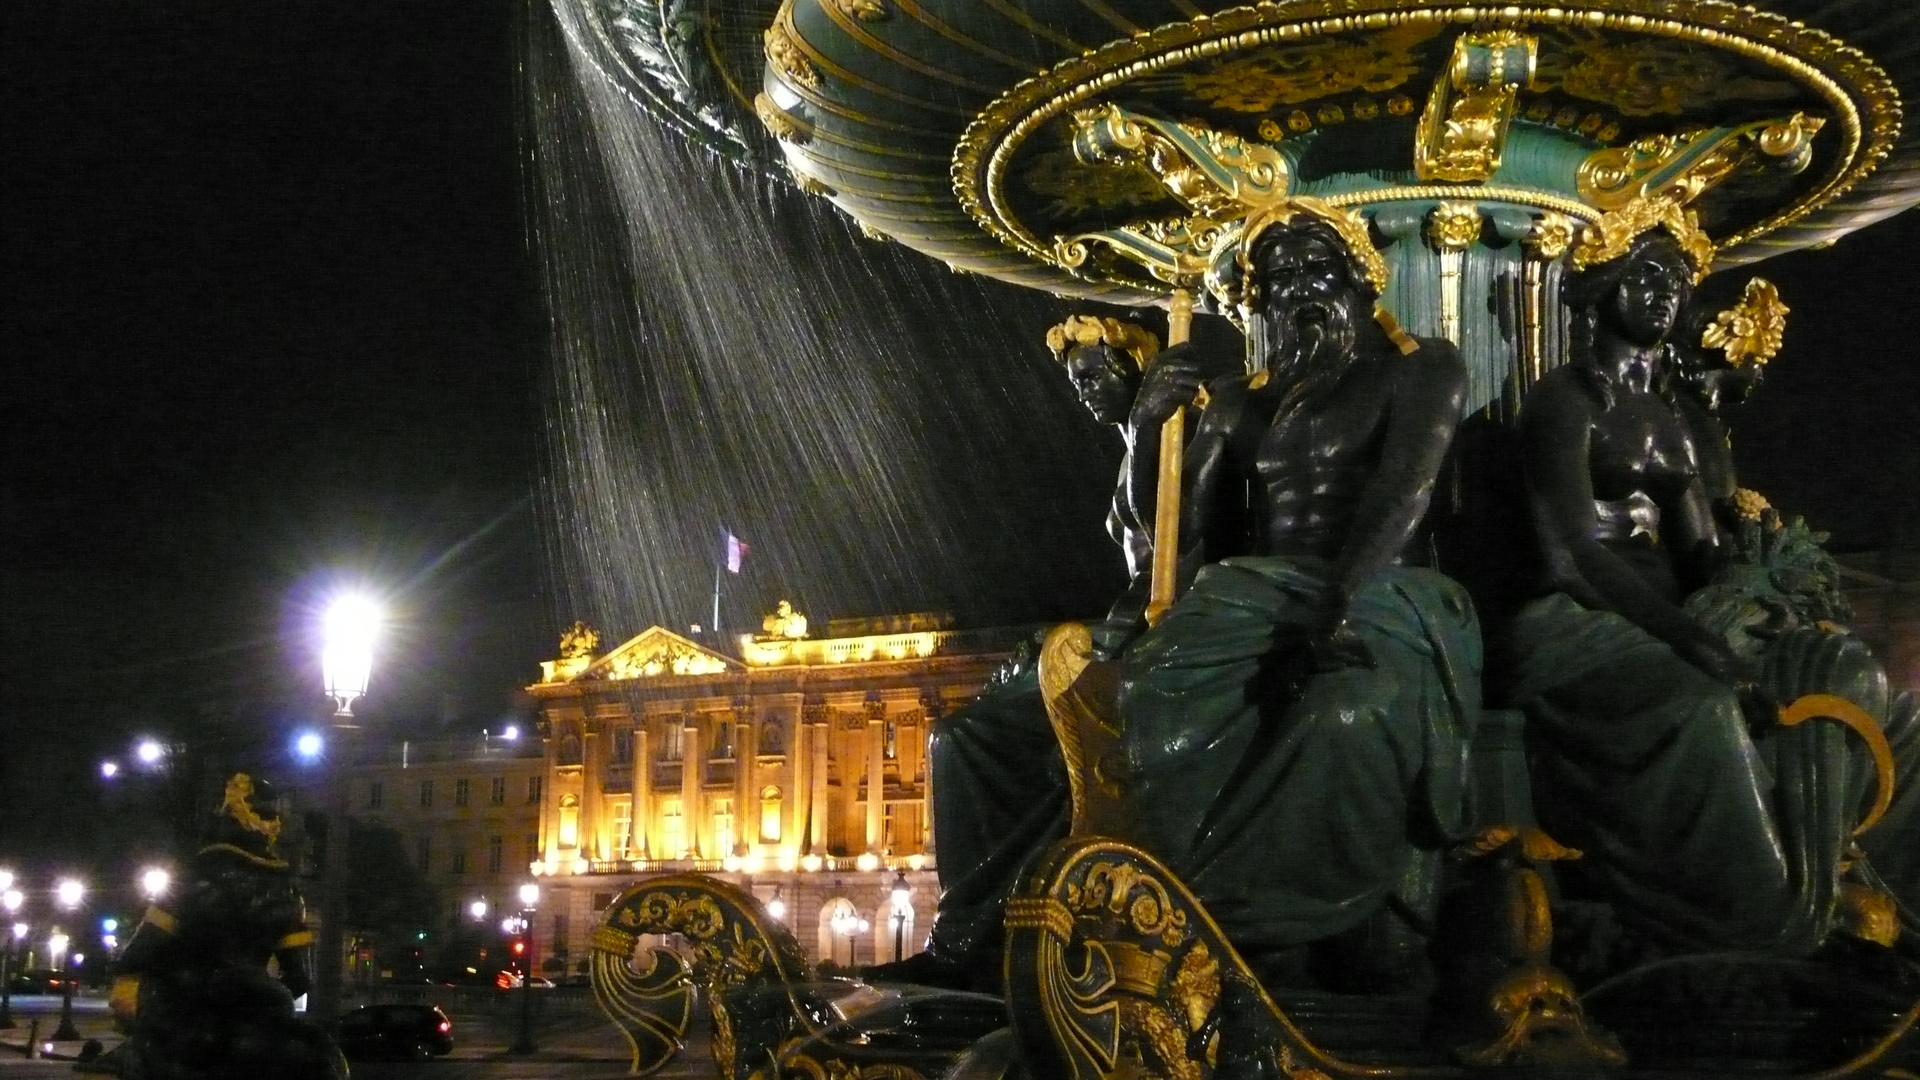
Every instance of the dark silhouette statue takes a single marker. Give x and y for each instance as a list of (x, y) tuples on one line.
[(1680, 616), (195, 989)]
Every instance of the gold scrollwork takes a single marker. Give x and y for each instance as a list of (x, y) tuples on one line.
[(1681, 166), (1751, 331), (1214, 173), (1114, 969), (731, 942), (1464, 127), (1854, 92)]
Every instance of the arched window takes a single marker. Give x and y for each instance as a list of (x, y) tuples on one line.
[(569, 821), (770, 815), (839, 931)]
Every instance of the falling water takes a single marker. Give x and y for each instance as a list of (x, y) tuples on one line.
[(886, 435)]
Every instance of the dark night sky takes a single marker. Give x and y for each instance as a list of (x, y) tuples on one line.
[(268, 312)]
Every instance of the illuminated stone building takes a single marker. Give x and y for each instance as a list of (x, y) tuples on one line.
[(467, 811), (796, 767)]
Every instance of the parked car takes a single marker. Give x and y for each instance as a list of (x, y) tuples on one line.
[(411, 1031), (510, 980), (37, 982)]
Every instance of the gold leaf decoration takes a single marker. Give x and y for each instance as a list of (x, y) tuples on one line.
[(1751, 331), (1075, 189), (1643, 76), (864, 10), (1273, 77), (786, 56)]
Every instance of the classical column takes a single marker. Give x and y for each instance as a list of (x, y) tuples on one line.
[(876, 773), (819, 731), (642, 790), (693, 777), (745, 759), (593, 774), (933, 707)]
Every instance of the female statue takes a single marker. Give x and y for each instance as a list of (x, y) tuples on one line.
[(1652, 715)]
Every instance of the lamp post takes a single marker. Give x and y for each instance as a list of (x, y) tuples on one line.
[(349, 629), (67, 894), (529, 899), (902, 907), (10, 901)]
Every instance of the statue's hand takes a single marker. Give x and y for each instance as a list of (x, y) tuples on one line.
[(1173, 380)]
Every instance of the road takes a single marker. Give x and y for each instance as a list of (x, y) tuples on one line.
[(575, 1043)]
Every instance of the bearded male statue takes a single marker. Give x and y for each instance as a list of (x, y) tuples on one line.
[(1295, 729)]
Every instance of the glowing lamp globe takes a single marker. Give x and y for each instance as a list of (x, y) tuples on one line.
[(348, 633)]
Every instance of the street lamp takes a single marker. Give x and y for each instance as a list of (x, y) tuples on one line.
[(777, 907), (153, 883), (10, 899), (844, 921), (902, 909), (67, 893), (349, 628), (529, 899), (109, 769), (149, 751), (478, 909)]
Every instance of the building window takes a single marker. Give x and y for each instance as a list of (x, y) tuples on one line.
[(423, 853), (461, 789), (723, 826), (893, 744), (773, 737), (494, 846), (622, 827), (623, 746), (533, 788), (499, 793), (673, 830), (460, 861), (670, 741), (426, 793), (770, 815), (559, 935), (569, 749), (889, 817), (570, 821), (533, 848), (722, 742), (376, 794)]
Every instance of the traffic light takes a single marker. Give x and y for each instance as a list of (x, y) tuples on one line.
[(519, 947)]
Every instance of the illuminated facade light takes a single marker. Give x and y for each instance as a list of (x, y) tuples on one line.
[(867, 862)]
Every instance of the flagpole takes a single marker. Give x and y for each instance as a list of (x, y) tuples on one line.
[(716, 603)]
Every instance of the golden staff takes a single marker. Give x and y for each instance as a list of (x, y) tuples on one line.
[(1166, 499)]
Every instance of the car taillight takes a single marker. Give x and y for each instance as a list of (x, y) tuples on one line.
[(444, 1026)]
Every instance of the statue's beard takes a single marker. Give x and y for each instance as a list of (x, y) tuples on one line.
[(1309, 344)]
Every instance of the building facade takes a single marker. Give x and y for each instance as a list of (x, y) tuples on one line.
[(467, 811), (795, 767)]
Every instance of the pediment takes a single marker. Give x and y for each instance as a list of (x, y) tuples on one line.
[(657, 652)]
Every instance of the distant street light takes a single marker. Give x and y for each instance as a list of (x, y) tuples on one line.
[(777, 907), (149, 751), (309, 745), (478, 909), (529, 900), (10, 899), (902, 909), (154, 882), (68, 894), (109, 769), (511, 732)]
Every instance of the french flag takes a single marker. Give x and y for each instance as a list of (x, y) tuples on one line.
[(736, 551)]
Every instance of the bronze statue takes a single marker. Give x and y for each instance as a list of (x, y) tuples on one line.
[(1310, 693), (1104, 360), (1652, 674), (194, 990)]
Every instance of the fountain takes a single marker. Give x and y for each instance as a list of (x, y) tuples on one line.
[(1474, 170)]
